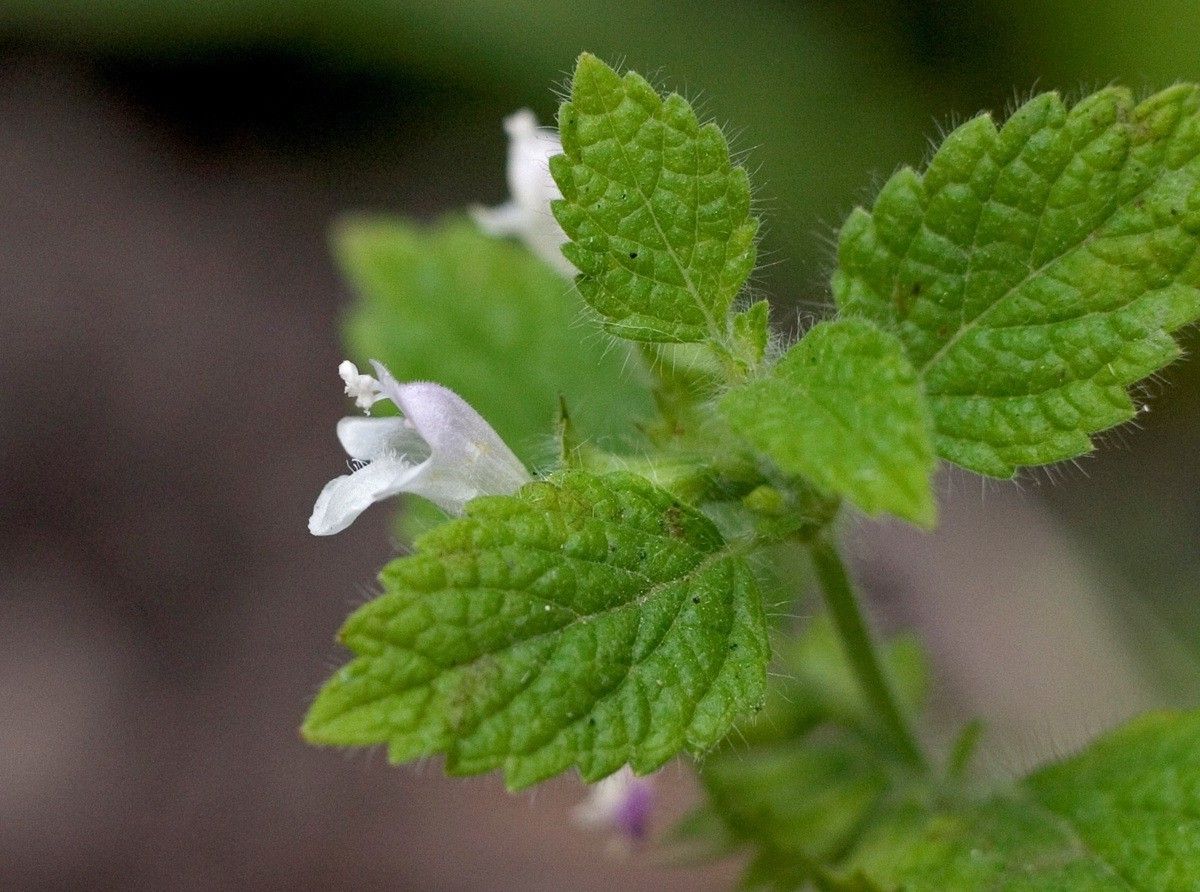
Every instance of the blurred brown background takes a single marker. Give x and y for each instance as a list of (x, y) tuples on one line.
[(169, 317)]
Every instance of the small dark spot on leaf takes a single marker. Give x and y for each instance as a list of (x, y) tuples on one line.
[(633, 255), (943, 331), (916, 288), (592, 720), (733, 646), (695, 599)]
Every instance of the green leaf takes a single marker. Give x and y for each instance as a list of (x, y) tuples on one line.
[(1119, 815), (491, 322), (796, 786), (844, 409), (817, 684), (1122, 814), (963, 750), (1035, 272), (752, 332), (797, 806), (658, 216), (586, 620)]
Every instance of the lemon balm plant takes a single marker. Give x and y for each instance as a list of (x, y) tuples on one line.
[(599, 606)]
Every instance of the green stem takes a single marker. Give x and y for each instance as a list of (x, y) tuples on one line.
[(860, 648)]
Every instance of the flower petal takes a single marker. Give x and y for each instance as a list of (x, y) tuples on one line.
[(371, 438), (503, 219), (530, 149), (468, 458), (445, 488), (346, 497), (527, 215), (622, 802)]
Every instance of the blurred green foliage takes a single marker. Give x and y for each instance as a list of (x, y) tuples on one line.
[(493, 323)]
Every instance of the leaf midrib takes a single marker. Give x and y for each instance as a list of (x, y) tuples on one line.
[(709, 320), (729, 549), (1118, 206)]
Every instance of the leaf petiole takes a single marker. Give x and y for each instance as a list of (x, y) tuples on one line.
[(860, 648)]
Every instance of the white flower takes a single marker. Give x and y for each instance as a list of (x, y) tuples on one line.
[(622, 802), (527, 214), (441, 449)]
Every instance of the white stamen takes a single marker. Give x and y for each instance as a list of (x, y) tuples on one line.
[(362, 388)]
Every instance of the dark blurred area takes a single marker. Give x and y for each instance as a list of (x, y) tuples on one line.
[(170, 333)]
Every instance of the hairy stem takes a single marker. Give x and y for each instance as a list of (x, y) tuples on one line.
[(860, 648)]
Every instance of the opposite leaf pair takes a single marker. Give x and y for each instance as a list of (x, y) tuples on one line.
[(1024, 281)]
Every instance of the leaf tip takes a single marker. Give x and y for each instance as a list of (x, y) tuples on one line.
[(310, 728), (591, 73), (924, 512)]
